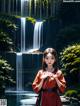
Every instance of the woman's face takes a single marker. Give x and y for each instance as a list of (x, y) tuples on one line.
[(49, 59)]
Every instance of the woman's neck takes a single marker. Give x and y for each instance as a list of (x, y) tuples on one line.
[(50, 69)]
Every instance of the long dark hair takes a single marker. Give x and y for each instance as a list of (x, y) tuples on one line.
[(54, 53)]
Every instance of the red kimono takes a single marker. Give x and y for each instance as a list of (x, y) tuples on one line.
[(49, 98)]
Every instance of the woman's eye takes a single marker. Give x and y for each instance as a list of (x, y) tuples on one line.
[(47, 58), (52, 58)]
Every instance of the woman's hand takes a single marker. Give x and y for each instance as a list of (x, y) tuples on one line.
[(46, 74)]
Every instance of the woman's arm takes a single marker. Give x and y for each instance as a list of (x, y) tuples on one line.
[(38, 82), (60, 80)]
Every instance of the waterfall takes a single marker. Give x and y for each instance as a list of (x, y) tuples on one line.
[(37, 41), (22, 6), (30, 8), (35, 7), (19, 57), (25, 7), (19, 71), (19, 80), (23, 20)]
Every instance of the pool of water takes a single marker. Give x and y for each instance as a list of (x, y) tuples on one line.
[(25, 98), (28, 98)]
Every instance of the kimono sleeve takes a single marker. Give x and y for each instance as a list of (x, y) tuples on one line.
[(63, 83), (36, 82)]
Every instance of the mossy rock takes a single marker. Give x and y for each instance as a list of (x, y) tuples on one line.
[(71, 93)]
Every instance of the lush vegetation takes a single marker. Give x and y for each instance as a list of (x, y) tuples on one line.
[(5, 41), (70, 62), (7, 29), (30, 19), (5, 73)]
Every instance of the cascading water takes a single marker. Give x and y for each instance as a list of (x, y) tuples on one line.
[(37, 41), (30, 7), (37, 36), (19, 76), (22, 7), (19, 57), (23, 21), (34, 8), (25, 7), (19, 72)]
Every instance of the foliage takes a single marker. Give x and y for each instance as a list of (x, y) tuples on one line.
[(7, 24), (7, 31), (71, 93), (70, 62), (32, 20), (5, 73), (5, 41)]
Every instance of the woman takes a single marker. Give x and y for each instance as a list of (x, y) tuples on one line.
[(49, 80)]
